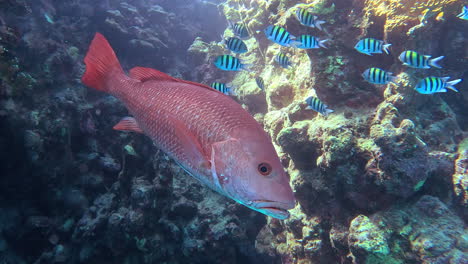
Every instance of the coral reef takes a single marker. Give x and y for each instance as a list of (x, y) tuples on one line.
[(383, 179)]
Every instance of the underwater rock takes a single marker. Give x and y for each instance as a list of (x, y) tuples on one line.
[(460, 177), (365, 238)]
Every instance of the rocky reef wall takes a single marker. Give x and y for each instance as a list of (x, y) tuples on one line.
[(381, 180)]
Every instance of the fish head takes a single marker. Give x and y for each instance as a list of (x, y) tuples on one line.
[(218, 61), (420, 87), (402, 56), (247, 169), (359, 45), (268, 30), (365, 74)]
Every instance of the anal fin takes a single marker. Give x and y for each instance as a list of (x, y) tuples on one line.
[(128, 124)]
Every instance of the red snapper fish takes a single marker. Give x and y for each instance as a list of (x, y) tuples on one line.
[(206, 132)]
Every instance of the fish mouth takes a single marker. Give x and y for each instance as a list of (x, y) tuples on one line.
[(274, 209)]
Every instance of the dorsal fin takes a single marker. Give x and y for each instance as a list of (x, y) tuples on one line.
[(145, 74)]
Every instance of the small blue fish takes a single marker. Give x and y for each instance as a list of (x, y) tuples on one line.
[(283, 60), (236, 45), (224, 88), (370, 45), (378, 76), (49, 18), (239, 29), (229, 63), (315, 104), (308, 19), (464, 14), (310, 42), (415, 60), (260, 83), (279, 35), (432, 85)]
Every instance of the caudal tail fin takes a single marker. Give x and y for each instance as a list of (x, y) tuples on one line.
[(385, 48), (450, 85), (101, 62), (435, 62)]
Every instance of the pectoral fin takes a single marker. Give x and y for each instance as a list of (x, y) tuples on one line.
[(191, 147), (128, 124)]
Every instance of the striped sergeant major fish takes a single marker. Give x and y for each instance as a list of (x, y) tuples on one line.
[(430, 85), (283, 60), (239, 29), (224, 88), (260, 83), (281, 36), (464, 13), (306, 18), (235, 45), (378, 76), (369, 46), (230, 63), (310, 42), (315, 104), (415, 60)]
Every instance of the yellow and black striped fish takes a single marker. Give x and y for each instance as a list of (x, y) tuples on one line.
[(369, 46), (236, 45), (260, 83), (415, 60), (240, 30), (306, 18), (315, 104), (224, 88), (378, 76), (283, 60), (229, 63), (281, 36), (432, 85)]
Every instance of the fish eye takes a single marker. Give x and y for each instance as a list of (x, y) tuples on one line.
[(264, 168)]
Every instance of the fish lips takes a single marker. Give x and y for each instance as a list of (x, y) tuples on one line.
[(274, 209)]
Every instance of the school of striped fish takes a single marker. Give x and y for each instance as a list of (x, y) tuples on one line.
[(367, 46)]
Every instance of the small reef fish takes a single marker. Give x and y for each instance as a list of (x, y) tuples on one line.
[(378, 76), (440, 17), (415, 60), (369, 46), (279, 35), (240, 30), (310, 42), (207, 133), (236, 45), (464, 13), (432, 85), (260, 83), (222, 87), (308, 19), (315, 104), (49, 18), (283, 60), (229, 63)]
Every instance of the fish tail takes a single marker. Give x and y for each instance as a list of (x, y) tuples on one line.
[(101, 64), (318, 24), (392, 79), (450, 85), (321, 43), (433, 62), (327, 111), (385, 48), (246, 67), (231, 90)]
